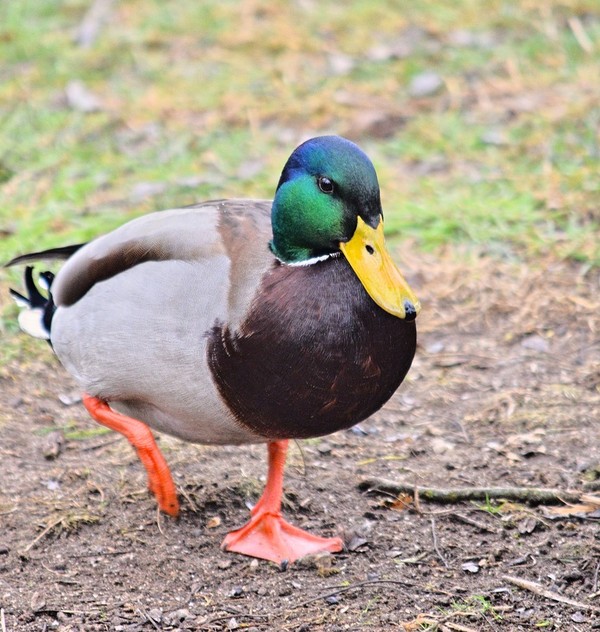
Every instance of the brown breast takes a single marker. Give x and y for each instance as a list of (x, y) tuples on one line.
[(314, 355)]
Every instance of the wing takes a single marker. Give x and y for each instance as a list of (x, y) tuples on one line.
[(236, 229)]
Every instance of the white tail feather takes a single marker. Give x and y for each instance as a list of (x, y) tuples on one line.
[(20, 301), (31, 322)]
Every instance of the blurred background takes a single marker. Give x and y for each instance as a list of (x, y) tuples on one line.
[(482, 117)]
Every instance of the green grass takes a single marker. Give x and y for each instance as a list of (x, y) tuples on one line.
[(193, 93)]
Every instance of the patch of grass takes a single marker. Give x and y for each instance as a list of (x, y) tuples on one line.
[(477, 605), (72, 432), (490, 507)]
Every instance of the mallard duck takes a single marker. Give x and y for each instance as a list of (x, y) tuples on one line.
[(237, 321)]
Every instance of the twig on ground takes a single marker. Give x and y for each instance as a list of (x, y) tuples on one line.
[(239, 615), (159, 521), (191, 503), (435, 543), (148, 618), (473, 523), (415, 493), (100, 446), (343, 589), (458, 627), (532, 495), (548, 594), (442, 624), (47, 530), (2, 621)]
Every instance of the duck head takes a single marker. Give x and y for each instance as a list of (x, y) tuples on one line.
[(327, 201)]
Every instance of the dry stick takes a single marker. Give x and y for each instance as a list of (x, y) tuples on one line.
[(47, 530), (533, 495), (149, 618), (343, 589), (435, 543), (239, 615), (2, 621), (458, 627), (473, 523), (444, 623), (548, 594)]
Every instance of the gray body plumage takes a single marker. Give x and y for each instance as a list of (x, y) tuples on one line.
[(138, 338)]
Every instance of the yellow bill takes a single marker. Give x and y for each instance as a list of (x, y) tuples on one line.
[(372, 264)]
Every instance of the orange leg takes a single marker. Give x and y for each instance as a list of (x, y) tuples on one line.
[(267, 535), (138, 434)]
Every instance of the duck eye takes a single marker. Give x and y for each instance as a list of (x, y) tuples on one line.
[(325, 184)]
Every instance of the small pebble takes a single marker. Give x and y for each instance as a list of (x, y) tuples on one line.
[(53, 443), (155, 614), (324, 448), (179, 615), (536, 343), (425, 84)]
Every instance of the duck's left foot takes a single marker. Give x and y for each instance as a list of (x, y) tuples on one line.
[(269, 537)]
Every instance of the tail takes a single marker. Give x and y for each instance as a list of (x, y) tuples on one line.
[(35, 318)]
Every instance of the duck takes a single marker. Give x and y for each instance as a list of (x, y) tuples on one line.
[(236, 321)]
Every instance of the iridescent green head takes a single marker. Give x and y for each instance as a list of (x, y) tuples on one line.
[(327, 201), (326, 184)]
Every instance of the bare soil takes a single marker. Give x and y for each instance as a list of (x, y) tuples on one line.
[(505, 391)]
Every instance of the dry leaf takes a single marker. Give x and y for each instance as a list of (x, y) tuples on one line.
[(213, 522), (402, 502), (589, 508)]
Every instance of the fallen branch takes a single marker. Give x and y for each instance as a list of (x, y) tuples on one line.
[(531, 495), (548, 594)]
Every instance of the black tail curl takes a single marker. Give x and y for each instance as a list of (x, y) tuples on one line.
[(36, 317), (34, 299)]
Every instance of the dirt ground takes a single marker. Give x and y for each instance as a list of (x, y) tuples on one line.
[(504, 391)]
